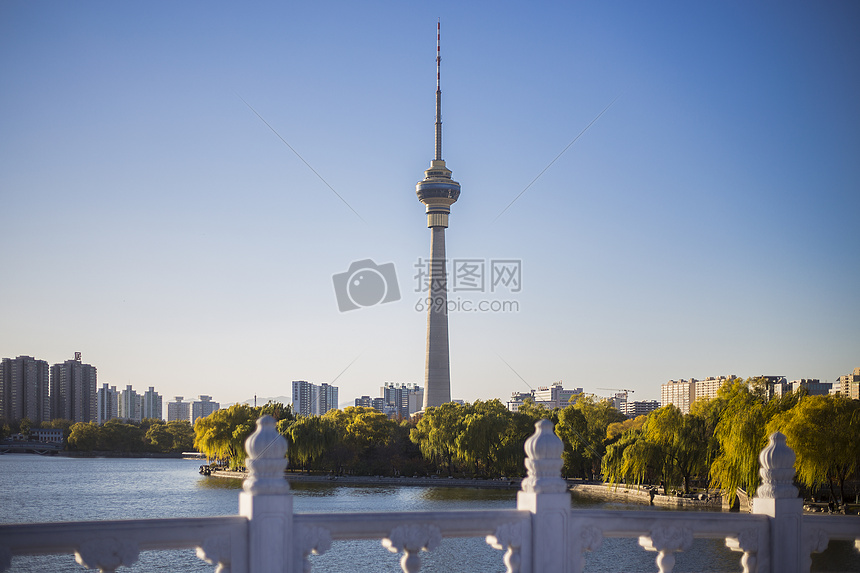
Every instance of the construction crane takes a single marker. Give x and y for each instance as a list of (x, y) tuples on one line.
[(625, 390)]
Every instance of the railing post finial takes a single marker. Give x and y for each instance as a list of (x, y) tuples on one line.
[(543, 461), (266, 460), (777, 469)]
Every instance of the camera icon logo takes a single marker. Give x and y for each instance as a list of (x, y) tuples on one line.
[(365, 284)]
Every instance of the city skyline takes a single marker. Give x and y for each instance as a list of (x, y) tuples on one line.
[(701, 226)]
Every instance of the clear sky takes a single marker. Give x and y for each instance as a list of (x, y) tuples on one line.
[(706, 224)]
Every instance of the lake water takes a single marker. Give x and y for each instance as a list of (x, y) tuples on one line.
[(39, 489)]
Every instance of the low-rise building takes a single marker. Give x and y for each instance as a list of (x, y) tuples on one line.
[(641, 408), (47, 435), (553, 396)]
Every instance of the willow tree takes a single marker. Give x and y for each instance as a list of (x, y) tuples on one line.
[(741, 434), (582, 428), (436, 433), (309, 437), (824, 432), (510, 455), (682, 441), (222, 434), (480, 440)]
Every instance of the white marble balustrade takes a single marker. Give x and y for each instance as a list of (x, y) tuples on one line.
[(543, 535)]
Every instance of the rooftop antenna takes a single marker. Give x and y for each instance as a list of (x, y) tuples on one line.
[(438, 90)]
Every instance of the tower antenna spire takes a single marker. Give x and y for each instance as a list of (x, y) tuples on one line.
[(438, 90)]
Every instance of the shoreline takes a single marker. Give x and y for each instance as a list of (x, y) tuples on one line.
[(512, 483), (642, 495)]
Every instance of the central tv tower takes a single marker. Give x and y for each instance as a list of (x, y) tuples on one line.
[(438, 192)]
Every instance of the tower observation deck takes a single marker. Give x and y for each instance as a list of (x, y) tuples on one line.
[(437, 191)]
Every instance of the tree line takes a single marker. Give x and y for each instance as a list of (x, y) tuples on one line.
[(147, 436), (482, 439), (719, 441)]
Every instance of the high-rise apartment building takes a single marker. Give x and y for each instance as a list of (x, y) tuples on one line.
[(129, 405), (73, 391), (178, 410), (202, 407), (312, 400), (680, 393), (709, 387), (849, 385), (151, 404), (24, 385), (404, 399), (107, 399)]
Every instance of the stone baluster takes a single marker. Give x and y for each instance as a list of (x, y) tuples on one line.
[(777, 498), (310, 540), (509, 538), (411, 539), (544, 493), (667, 541), (747, 542), (267, 501), (107, 553)]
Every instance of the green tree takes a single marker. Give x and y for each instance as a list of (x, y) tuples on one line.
[(436, 434), (634, 459), (359, 431), (582, 426), (24, 426), (308, 437), (222, 434), (276, 410), (182, 434), (824, 432), (117, 436), (616, 429), (681, 440), (741, 434), (84, 436), (159, 438), (478, 442), (521, 424)]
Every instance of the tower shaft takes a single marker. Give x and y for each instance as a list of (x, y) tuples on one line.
[(437, 371)]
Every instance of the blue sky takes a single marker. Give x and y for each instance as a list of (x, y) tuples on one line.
[(705, 225)]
